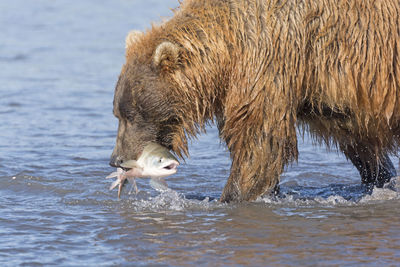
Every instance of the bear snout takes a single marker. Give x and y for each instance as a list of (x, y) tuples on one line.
[(116, 161)]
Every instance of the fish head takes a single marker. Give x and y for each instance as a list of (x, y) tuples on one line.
[(162, 167), (157, 161)]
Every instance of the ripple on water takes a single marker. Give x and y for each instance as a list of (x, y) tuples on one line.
[(14, 58), (24, 185)]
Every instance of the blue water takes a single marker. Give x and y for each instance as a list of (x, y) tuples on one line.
[(59, 62)]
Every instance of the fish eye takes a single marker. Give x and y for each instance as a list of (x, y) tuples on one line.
[(160, 160)]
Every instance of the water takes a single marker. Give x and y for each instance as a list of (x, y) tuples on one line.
[(59, 62)]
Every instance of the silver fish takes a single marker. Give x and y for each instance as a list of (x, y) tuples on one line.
[(155, 162)]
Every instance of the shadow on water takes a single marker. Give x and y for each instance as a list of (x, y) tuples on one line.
[(200, 197), (345, 191), (350, 193), (332, 194)]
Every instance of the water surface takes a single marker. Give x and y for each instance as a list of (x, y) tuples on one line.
[(59, 63)]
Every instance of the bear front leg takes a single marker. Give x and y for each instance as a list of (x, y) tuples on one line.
[(234, 190), (374, 170), (258, 164), (258, 125)]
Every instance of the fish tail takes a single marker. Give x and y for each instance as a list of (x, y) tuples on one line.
[(114, 184)]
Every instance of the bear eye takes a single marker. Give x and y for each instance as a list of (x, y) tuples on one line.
[(130, 116), (160, 160)]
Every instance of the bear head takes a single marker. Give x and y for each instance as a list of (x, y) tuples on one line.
[(144, 100)]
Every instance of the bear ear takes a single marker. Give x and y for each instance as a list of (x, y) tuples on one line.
[(132, 38), (166, 56)]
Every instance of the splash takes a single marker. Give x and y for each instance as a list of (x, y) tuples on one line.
[(170, 200)]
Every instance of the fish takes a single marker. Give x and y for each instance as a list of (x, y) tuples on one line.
[(155, 162)]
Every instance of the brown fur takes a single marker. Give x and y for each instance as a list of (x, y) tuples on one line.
[(259, 68)]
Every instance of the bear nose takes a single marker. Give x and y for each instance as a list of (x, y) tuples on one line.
[(116, 161)]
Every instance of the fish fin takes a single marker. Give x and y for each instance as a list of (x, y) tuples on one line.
[(119, 171), (120, 189), (130, 164), (158, 184), (112, 175), (132, 180), (115, 183)]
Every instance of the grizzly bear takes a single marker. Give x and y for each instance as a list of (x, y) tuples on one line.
[(259, 69)]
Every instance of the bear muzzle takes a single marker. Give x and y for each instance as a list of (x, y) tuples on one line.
[(116, 161)]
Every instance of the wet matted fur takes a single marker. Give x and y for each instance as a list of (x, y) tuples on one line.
[(258, 69)]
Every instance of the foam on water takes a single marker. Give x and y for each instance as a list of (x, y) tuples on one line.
[(173, 201)]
